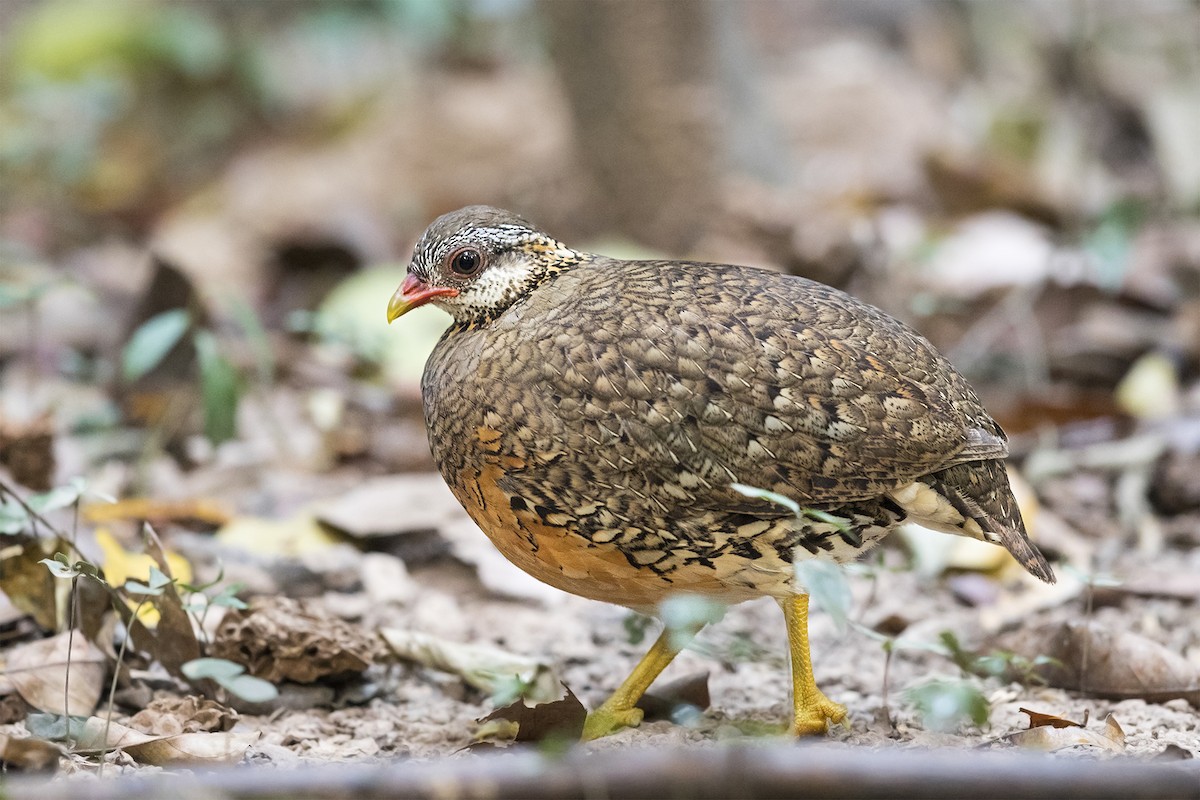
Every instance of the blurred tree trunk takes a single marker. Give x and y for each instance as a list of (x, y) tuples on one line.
[(639, 80)]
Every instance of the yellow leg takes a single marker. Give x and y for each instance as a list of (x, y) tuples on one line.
[(811, 708), (619, 710)]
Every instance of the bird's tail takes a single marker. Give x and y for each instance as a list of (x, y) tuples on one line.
[(979, 490)]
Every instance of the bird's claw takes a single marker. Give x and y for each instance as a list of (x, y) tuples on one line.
[(605, 720), (812, 719)]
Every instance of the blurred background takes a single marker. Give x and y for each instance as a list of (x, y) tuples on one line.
[(205, 207), (1019, 180)]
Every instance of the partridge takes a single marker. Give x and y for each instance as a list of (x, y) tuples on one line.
[(594, 416)]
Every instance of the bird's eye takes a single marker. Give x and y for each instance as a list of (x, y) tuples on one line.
[(466, 261)]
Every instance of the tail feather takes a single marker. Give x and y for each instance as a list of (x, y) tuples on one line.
[(979, 490)]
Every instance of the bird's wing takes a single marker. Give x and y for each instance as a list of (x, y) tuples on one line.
[(717, 376)]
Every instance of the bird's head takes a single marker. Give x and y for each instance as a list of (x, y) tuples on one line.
[(476, 262)]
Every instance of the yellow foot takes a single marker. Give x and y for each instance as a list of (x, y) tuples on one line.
[(813, 719), (605, 720)]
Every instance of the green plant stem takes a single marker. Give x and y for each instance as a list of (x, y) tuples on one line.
[(112, 687), (71, 600)]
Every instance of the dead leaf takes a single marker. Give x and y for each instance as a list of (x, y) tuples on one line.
[(1173, 752), (1150, 389), (386, 580), (389, 506), (190, 513), (12, 707), (1051, 737), (482, 666), (29, 585), (121, 565), (39, 671), (175, 641), (1108, 663), (497, 574), (1173, 584), (293, 537), (278, 638), (165, 394), (966, 185), (95, 735), (29, 754), (27, 450), (1038, 720), (170, 715), (688, 691), (192, 748), (558, 719)]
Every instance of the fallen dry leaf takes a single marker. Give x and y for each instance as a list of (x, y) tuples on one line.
[(388, 506), (27, 450), (191, 748), (39, 671), (1090, 658), (29, 754), (497, 574), (1174, 584), (293, 537), (197, 512), (1150, 389), (26, 581), (558, 719), (174, 637), (121, 565), (386, 580), (1051, 737), (171, 715), (482, 666), (278, 638), (661, 702), (1038, 719), (95, 734), (1173, 752)]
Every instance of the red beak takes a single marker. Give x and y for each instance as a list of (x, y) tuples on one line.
[(415, 292)]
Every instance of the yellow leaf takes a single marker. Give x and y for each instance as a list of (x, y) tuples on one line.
[(121, 565), (288, 537)]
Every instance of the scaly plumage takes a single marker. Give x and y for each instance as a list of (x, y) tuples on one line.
[(591, 414)]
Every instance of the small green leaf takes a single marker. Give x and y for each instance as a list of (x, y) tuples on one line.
[(200, 587), (250, 688), (59, 497), (635, 627), (227, 598), (151, 342), (258, 338), (947, 705), (219, 389), (218, 669), (137, 587), (13, 518), (826, 584), (58, 569), (685, 614), (769, 496), (841, 523), (158, 579), (231, 676), (55, 727)]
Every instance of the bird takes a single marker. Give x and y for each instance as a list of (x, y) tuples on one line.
[(599, 419)]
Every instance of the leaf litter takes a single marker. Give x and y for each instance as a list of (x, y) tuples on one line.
[(189, 363)]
